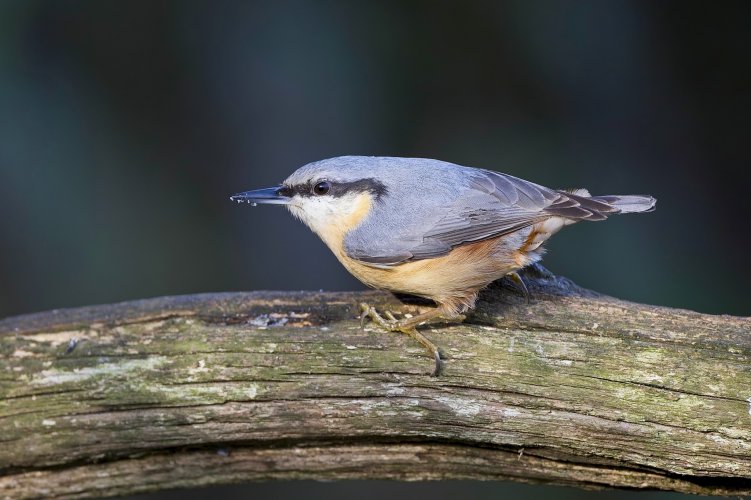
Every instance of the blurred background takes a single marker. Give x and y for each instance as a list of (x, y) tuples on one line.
[(125, 126)]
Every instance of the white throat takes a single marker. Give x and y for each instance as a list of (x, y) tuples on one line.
[(331, 218)]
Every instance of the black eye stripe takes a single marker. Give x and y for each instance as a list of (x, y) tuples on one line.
[(285, 191), (335, 189)]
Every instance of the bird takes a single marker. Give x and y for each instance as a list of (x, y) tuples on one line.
[(431, 228)]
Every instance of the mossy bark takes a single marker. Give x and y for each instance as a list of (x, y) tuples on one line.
[(574, 388)]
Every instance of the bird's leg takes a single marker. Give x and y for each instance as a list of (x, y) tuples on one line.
[(516, 278), (408, 326)]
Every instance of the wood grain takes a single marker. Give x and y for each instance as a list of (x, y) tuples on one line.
[(575, 388)]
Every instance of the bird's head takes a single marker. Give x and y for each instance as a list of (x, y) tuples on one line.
[(331, 196)]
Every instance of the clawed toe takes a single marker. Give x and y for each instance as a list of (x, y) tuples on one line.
[(389, 323), (517, 279), (406, 326), (365, 312)]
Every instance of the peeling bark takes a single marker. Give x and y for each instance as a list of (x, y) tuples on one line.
[(575, 388)]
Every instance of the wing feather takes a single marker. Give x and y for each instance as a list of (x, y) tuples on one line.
[(494, 204), (489, 205)]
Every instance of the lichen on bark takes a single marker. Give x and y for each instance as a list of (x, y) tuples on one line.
[(573, 388)]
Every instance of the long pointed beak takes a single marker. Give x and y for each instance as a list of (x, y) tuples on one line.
[(268, 196)]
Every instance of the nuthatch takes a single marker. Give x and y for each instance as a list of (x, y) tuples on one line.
[(430, 228)]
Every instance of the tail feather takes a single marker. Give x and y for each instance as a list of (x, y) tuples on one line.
[(580, 205), (629, 203)]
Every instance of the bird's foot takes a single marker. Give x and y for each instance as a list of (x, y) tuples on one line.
[(406, 326), (517, 279)]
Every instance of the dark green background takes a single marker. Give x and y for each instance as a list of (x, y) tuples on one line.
[(124, 126)]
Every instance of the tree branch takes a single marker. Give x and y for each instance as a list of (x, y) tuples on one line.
[(574, 388)]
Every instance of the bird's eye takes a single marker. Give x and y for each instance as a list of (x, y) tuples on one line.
[(322, 188)]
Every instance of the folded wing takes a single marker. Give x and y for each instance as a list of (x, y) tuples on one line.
[(492, 205)]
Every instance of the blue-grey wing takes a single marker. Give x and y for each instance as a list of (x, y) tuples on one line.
[(487, 205), (493, 204)]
